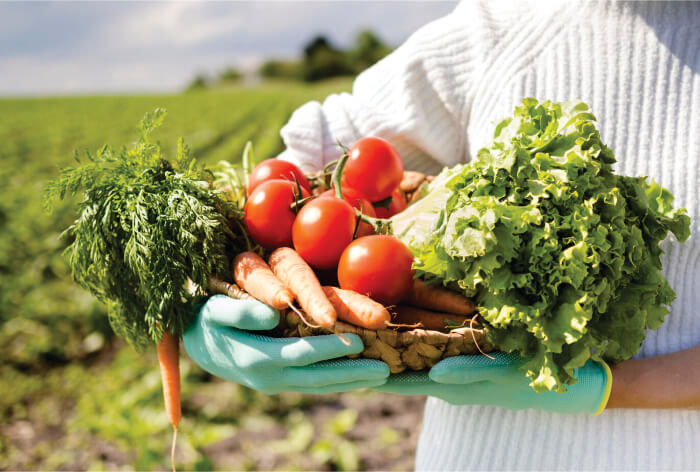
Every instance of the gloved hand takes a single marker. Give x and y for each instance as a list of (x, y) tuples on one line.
[(478, 380), (218, 341)]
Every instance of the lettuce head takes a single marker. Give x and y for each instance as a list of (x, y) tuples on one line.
[(561, 254)]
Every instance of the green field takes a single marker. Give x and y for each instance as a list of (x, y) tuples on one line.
[(74, 397)]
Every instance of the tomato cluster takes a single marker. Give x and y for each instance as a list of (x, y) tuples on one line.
[(325, 230)]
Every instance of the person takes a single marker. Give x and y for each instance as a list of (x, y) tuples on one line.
[(436, 99)]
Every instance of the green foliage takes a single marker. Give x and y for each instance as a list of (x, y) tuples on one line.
[(277, 69), (333, 448), (126, 410), (199, 82), (229, 75), (367, 49), (388, 435), (322, 60), (146, 226), (232, 179), (561, 254)]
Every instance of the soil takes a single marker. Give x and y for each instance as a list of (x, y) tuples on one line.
[(401, 415), (385, 435)]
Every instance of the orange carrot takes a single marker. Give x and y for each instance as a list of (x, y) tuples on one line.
[(439, 299), (216, 285), (169, 359), (253, 275), (296, 274), (428, 319), (411, 181), (357, 309)]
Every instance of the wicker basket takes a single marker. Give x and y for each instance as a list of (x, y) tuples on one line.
[(413, 349), (400, 348)]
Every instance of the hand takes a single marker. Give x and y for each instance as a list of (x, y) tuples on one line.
[(478, 380), (218, 341)]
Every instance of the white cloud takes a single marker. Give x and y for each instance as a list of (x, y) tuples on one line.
[(92, 47), (174, 24)]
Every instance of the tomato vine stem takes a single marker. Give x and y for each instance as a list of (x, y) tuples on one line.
[(380, 225)]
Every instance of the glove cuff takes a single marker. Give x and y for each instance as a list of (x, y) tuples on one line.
[(608, 388), (591, 392)]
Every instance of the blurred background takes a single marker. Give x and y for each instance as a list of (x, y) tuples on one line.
[(76, 75)]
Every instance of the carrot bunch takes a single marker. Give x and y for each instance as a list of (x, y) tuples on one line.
[(374, 272), (145, 226), (289, 279)]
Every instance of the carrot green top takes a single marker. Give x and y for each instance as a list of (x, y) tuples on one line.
[(144, 226)]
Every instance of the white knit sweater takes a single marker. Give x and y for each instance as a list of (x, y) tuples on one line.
[(436, 99)]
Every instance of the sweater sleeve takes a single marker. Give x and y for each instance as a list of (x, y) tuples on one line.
[(418, 98)]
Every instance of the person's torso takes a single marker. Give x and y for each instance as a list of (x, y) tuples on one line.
[(638, 67)]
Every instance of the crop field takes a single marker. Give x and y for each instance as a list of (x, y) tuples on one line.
[(72, 396)]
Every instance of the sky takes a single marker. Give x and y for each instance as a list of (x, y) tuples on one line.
[(64, 48)]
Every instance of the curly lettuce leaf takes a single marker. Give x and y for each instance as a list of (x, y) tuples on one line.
[(561, 254)]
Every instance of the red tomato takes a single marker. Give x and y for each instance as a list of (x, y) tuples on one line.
[(374, 168), (378, 266), (397, 205), (271, 169), (268, 216), (355, 198), (322, 230)]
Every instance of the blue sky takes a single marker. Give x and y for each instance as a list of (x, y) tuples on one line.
[(88, 47)]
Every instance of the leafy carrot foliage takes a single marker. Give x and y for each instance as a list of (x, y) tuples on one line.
[(146, 224)]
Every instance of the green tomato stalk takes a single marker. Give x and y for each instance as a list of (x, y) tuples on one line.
[(380, 225)]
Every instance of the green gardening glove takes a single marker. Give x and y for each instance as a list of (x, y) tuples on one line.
[(220, 341), (478, 380)]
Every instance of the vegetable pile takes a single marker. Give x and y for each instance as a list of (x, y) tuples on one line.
[(331, 233), (561, 254), (333, 229)]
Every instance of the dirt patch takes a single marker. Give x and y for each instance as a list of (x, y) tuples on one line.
[(362, 430), (384, 434)]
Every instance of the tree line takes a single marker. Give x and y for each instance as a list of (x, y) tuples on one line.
[(320, 60)]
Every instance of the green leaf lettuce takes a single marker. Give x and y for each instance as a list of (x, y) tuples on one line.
[(561, 254)]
